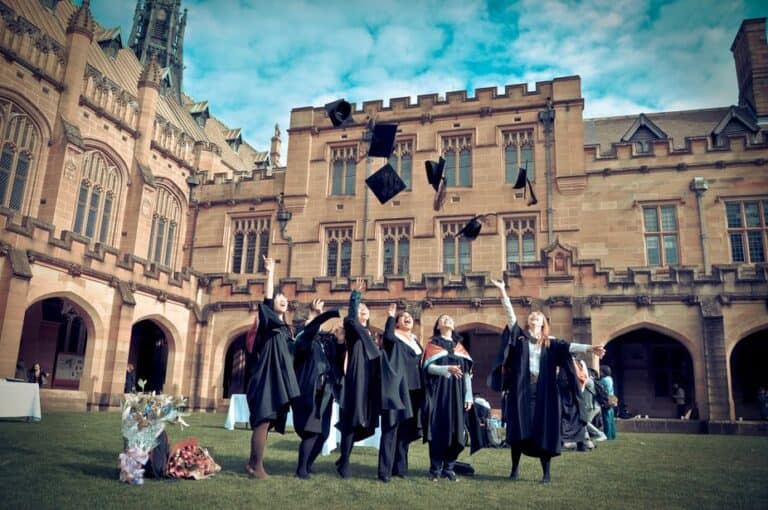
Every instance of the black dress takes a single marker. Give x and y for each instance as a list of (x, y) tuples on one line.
[(272, 383), (319, 363), (533, 422), (403, 426), (444, 415), (360, 403)]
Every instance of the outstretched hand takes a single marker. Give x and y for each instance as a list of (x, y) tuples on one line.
[(598, 350), (392, 310), (499, 284), (359, 285), (269, 264), (317, 305)]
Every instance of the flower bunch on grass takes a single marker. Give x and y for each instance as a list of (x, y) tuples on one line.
[(190, 460), (144, 418)]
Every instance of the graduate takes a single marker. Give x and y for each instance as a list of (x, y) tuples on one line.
[(360, 403), (319, 364), (272, 383), (400, 428), (532, 404), (447, 370)]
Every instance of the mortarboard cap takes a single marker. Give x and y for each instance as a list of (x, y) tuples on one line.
[(382, 140), (472, 229), (340, 112), (385, 183), (521, 178), (435, 172)]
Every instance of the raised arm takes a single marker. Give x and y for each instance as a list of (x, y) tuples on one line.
[(355, 298), (389, 328), (269, 266), (506, 303)]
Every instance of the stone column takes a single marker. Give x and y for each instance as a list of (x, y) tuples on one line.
[(715, 362)]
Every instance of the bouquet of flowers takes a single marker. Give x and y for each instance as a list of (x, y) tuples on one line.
[(190, 460), (144, 419)]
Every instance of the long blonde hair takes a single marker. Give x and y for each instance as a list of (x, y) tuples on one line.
[(543, 339)]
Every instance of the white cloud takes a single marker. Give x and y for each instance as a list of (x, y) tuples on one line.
[(255, 61)]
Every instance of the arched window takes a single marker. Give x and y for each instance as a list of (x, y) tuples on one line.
[(20, 139), (100, 184), (250, 244), (165, 228)]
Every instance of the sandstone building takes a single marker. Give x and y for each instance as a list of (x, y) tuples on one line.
[(649, 235)]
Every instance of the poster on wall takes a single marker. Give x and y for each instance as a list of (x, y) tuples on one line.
[(69, 368)]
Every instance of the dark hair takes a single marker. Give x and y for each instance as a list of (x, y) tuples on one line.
[(605, 371), (399, 315)]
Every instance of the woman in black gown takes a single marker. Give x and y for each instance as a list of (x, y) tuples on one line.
[(319, 363), (272, 383), (400, 428), (447, 371)]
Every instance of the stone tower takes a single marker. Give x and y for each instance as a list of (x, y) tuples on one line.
[(158, 29)]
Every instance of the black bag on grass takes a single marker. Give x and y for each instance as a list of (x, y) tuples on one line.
[(158, 458)]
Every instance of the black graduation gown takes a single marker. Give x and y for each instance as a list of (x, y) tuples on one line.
[(406, 364), (444, 415), (538, 434), (319, 364), (573, 424), (272, 383), (360, 403), (477, 427)]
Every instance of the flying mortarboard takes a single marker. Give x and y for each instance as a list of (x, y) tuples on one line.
[(385, 183), (472, 229), (382, 140), (340, 112), (436, 178), (523, 181)]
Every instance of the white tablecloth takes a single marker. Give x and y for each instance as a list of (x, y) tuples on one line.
[(238, 413), (19, 400)]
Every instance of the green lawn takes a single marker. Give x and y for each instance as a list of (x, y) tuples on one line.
[(69, 460)]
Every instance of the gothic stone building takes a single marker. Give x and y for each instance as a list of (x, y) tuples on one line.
[(649, 234)]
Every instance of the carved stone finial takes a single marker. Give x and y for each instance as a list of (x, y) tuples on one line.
[(82, 21)]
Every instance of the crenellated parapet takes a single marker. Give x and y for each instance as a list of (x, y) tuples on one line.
[(31, 241), (431, 107), (107, 99), (663, 155), (23, 42)]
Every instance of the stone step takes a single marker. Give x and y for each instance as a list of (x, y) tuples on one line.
[(62, 400)]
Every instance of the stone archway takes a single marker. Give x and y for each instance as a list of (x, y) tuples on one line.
[(482, 342), (55, 334), (149, 354), (749, 373), (235, 367), (645, 365)]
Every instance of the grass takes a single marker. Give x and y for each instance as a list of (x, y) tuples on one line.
[(69, 460)]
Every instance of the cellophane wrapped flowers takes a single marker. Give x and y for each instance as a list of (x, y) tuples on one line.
[(144, 418)]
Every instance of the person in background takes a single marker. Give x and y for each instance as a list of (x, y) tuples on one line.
[(678, 396), (37, 376), (609, 418), (762, 398), (591, 406), (532, 405), (130, 379)]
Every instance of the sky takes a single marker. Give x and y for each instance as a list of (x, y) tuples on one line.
[(255, 60)]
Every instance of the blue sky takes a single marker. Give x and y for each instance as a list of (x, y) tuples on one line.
[(255, 60)]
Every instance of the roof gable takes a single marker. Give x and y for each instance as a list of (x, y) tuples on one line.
[(643, 129)]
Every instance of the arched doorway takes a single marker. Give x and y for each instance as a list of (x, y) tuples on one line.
[(149, 354), (749, 372), (54, 334), (235, 368), (645, 365), (482, 342)]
